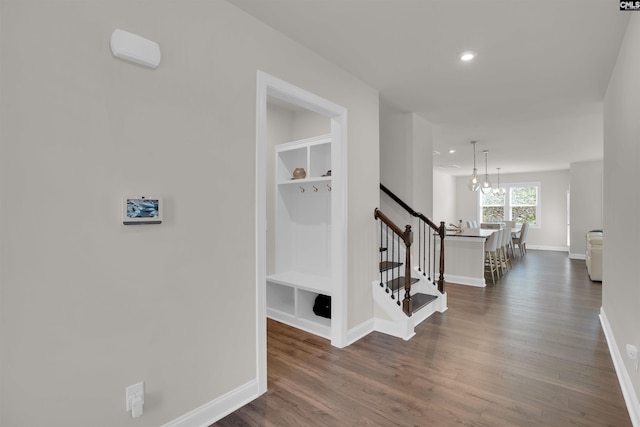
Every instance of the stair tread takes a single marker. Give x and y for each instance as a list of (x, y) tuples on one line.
[(399, 282), (419, 301), (388, 265)]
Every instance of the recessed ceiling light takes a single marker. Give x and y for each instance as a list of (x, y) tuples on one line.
[(436, 152), (468, 55), (452, 151)]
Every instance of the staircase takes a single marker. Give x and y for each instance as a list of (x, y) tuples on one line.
[(404, 295)]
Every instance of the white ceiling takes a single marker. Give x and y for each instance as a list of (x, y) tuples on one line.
[(532, 97)]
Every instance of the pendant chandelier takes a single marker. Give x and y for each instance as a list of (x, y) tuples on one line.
[(486, 184), (499, 191), (474, 183)]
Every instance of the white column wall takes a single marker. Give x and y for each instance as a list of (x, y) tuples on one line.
[(406, 162), (586, 204), (444, 198), (620, 286), (422, 158)]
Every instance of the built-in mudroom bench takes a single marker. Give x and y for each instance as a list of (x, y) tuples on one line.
[(303, 234)]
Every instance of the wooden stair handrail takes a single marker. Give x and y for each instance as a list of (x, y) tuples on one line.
[(408, 208), (441, 230), (406, 234)]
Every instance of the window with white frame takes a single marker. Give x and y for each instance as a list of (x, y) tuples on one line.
[(519, 202)]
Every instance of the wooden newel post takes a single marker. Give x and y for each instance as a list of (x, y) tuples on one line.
[(408, 239), (442, 232)]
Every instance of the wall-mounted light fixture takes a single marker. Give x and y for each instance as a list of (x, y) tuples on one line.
[(134, 48)]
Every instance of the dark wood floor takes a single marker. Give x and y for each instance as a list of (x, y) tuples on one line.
[(528, 351)]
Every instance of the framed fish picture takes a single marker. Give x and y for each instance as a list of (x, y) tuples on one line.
[(142, 210)]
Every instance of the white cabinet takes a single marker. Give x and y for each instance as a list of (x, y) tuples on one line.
[(303, 236)]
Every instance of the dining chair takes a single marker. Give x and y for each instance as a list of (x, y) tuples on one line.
[(490, 225), (521, 240), (510, 224)]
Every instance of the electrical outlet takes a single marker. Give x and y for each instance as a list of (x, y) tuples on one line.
[(134, 396), (632, 352)]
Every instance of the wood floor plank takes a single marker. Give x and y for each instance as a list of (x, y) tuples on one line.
[(527, 351)]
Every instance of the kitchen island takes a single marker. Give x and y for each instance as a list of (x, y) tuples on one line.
[(464, 256)]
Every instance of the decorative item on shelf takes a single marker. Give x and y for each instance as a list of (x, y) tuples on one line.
[(486, 184), (474, 184), (328, 173), (299, 173)]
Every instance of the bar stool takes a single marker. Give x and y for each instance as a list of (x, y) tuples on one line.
[(491, 256), (504, 247)]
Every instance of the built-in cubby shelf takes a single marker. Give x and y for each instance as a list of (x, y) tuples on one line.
[(303, 235), (293, 305), (305, 180), (310, 282)]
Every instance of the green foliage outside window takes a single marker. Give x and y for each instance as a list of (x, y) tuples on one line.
[(492, 199), (492, 213), (524, 196), (524, 202), (519, 204)]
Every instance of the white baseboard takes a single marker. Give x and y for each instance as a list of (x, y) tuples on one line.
[(577, 256), (219, 408), (363, 329), (630, 397), (464, 280), (549, 248)]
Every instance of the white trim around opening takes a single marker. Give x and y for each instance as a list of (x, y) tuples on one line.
[(270, 86)]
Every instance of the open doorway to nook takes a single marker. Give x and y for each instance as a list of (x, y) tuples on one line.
[(301, 212)]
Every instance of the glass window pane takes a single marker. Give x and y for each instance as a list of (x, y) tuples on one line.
[(524, 214), (524, 196), (491, 199), (493, 213)]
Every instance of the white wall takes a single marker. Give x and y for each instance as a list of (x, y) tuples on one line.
[(307, 124), (586, 204), (620, 286), (279, 130), (396, 164), (89, 306), (422, 159), (444, 198), (552, 233), (406, 163)]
